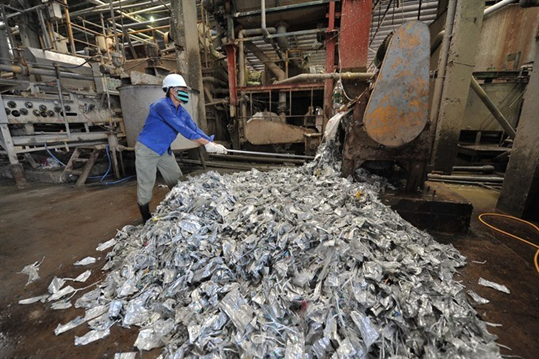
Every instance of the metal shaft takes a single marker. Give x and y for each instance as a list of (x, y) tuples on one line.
[(270, 154), (493, 109)]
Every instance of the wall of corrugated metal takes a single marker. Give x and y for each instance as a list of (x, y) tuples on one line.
[(507, 39), (396, 15)]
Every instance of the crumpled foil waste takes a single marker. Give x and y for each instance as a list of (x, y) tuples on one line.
[(294, 263)]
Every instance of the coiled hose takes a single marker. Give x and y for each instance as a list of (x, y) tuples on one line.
[(536, 257)]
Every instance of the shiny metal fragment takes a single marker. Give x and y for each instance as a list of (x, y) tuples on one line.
[(91, 336), (500, 287), (61, 305), (62, 328), (85, 261), (477, 298), (32, 271), (56, 285), (40, 298), (61, 293)]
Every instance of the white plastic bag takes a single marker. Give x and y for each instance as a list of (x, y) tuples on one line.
[(333, 125)]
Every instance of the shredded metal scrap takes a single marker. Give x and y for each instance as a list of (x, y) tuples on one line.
[(295, 263)]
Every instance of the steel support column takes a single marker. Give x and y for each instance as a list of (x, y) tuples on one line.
[(331, 40), (232, 88), (231, 59), (354, 35), (460, 65), (184, 27), (520, 191)]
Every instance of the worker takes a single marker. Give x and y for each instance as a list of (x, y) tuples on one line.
[(167, 118)]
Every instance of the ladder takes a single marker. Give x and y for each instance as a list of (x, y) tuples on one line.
[(81, 162)]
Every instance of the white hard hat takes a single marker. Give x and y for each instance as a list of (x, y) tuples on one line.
[(174, 80)]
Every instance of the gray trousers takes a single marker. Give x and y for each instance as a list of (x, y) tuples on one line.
[(147, 162)]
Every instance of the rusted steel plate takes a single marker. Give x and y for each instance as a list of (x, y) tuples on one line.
[(264, 132), (398, 108)]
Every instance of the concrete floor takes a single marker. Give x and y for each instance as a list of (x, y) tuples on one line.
[(63, 224)]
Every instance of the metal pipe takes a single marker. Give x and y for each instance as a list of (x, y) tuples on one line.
[(498, 184), (99, 2), (144, 23), (20, 12), (258, 159), (214, 80), (274, 36), (276, 70), (283, 8), (116, 44), (158, 7), (60, 94), (33, 71), (241, 55), (437, 41), (492, 108), (69, 30), (465, 178), (362, 76), (271, 154), (497, 6), (483, 169), (104, 8)]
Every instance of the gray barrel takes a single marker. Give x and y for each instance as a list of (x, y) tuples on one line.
[(136, 100)]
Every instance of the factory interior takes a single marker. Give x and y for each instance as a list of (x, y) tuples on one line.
[(378, 196)]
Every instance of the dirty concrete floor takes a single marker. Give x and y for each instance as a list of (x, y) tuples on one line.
[(60, 224)]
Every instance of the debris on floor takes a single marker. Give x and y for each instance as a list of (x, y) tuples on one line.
[(499, 287), (32, 271), (85, 261), (288, 263)]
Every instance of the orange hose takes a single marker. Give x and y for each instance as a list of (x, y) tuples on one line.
[(536, 257)]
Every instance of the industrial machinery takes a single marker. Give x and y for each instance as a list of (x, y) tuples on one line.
[(56, 101), (390, 124)]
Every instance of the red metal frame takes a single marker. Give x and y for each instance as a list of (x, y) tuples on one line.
[(331, 40), (231, 59), (354, 34)]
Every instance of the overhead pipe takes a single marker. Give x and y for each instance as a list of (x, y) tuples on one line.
[(34, 71), (492, 108), (497, 7), (362, 76), (99, 2), (276, 70), (264, 29), (143, 23), (281, 106), (117, 6)]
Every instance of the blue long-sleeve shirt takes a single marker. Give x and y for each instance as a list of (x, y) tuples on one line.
[(163, 124)]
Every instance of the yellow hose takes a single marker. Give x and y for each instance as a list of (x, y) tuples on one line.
[(536, 257)]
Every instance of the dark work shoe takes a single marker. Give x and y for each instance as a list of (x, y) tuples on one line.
[(145, 212)]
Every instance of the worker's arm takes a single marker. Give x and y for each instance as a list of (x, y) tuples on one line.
[(166, 113)]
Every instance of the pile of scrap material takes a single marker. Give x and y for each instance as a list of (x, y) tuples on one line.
[(296, 263)]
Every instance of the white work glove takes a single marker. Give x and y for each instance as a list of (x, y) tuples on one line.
[(215, 148)]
